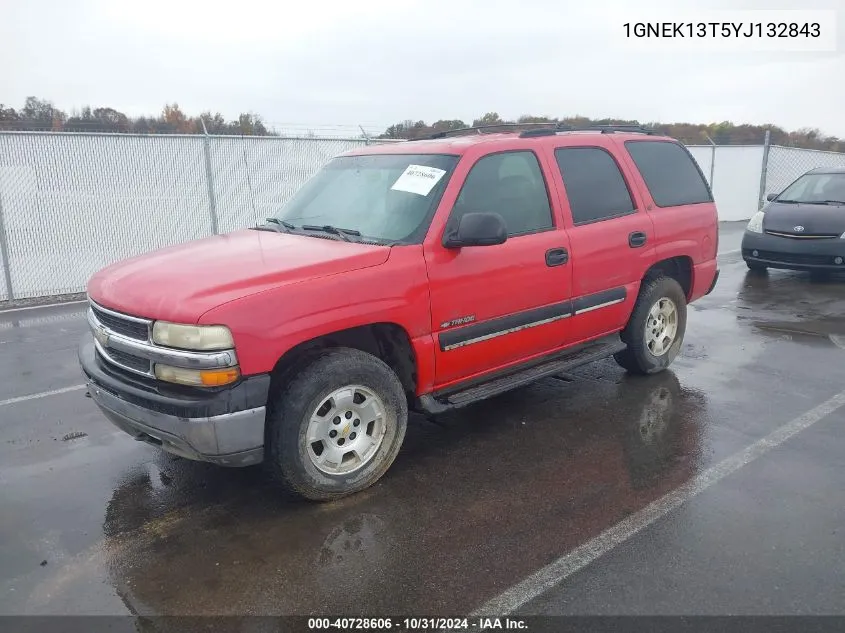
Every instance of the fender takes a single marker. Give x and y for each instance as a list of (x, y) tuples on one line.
[(268, 324)]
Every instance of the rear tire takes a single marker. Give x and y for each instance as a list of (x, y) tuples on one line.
[(655, 331), (820, 275), (337, 426)]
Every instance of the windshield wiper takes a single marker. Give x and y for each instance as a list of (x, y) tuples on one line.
[(328, 228), (787, 201), (280, 224), (834, 201)]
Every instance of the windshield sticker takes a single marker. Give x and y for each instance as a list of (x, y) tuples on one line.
[(418, 179)]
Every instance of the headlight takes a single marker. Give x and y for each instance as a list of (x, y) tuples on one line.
[(197, 377), (199, 338), (755, 224)]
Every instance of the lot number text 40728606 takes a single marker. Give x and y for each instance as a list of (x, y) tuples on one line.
[(417, 624)]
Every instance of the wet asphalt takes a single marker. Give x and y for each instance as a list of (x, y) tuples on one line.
[(92, 522)]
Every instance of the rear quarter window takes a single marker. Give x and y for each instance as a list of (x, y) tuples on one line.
[(670, 173)]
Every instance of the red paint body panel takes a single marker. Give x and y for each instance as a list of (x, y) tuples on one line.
[(267, 324), (491, 282), (682, 231), (276, 291), (183, 282)]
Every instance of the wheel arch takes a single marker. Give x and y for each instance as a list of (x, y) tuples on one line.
[(680, 268), (387, 341)]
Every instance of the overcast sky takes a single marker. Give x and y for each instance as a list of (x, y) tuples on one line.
[(375, 62)]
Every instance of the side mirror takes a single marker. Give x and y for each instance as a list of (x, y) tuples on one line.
[(478, 229), (771, 197)]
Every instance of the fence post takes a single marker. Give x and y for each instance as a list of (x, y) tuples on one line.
[(712, 160), (764, 171), (209, 179), (4, 255)]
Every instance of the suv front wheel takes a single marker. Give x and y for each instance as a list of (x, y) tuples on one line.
[(337, 426), (655, 331)]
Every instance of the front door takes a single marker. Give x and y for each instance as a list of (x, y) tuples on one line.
[(496, 305)]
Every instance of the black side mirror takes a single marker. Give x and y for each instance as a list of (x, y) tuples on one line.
[(478, 229), (771, 197)]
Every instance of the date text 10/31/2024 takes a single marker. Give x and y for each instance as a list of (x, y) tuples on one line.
[(417, 624), (722, 29)]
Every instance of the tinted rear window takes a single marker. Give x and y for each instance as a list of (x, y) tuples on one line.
[(594, 185), (670, 173)]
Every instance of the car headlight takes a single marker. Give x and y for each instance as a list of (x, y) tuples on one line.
[(755, 224), (199, 338), (197, 377)]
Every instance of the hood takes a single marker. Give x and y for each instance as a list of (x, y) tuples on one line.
[(817, 219), (181, 283)]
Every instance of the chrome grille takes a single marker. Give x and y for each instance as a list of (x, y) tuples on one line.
[(124, 341), (803, 236), (107, 324), (132, 327), (129, 361)]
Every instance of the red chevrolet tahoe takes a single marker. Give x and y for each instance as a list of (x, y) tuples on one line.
[(417, 276)]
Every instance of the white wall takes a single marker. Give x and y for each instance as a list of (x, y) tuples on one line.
[(736, 178)]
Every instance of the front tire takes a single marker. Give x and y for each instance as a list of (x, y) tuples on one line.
[(336, 427), (655, 331), (820, 275), (756, 267)]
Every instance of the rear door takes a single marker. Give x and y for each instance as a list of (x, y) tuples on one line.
[(611, 234), (493, 306)]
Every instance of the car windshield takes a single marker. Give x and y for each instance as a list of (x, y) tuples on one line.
[(384, 197), (815, 188)]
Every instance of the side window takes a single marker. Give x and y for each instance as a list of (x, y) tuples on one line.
[(510, 184), (594, 185), (670, 173)]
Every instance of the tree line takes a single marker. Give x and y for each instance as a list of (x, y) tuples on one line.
[(723, 133), (41, 115)]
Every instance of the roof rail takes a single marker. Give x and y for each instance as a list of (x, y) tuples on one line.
[(480, 129), (604, 129)]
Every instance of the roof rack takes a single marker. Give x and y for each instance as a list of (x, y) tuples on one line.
[(604, 129), (480, 129)]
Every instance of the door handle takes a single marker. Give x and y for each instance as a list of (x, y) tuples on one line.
[(556, 256), (636, 239)]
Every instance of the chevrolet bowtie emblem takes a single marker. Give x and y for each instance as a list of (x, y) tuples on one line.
[(102, 336)]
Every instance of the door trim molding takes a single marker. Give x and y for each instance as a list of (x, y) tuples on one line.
[(534, 317)]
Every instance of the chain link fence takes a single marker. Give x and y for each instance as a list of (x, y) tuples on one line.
[(72, 203), (786, 164)]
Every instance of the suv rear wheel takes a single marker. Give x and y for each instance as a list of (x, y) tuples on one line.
[(337, 426), (655, 331)]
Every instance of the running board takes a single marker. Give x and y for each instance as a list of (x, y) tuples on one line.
[(456, 397)]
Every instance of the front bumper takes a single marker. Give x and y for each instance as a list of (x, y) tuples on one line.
[(793, 254), (224, 427)]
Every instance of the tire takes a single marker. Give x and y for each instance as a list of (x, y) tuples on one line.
[(638, 358), (650, 433), (756, 267), (359, 383)]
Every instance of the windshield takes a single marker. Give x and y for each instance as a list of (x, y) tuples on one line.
[(819, 188), (384, 197)]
